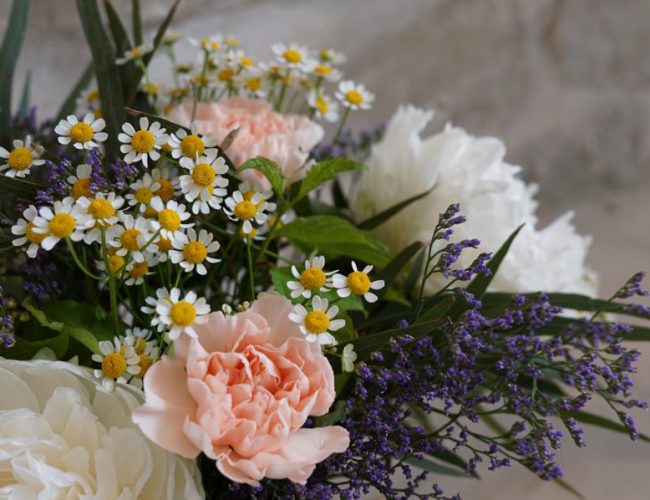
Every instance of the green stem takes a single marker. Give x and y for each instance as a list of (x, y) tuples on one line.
[(78, 261), (344, 118), (111, 283), (250, 271)]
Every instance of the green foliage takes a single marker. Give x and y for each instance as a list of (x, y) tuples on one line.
[(383, 216), (323, 172), (18, 187), (270, 170)]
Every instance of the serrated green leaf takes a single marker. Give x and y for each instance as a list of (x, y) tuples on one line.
[(384, 215), (322, 172), (69, 106), (269, 169)]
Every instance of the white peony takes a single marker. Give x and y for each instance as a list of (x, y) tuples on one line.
[(62, 437), (460, 168)]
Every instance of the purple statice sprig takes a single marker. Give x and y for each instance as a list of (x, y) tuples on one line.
[(7, 337), (350, 144)]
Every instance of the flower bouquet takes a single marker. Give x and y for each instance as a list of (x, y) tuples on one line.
[(212, 288)]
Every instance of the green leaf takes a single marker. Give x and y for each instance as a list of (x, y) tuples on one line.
[(18, 187), (383, 216), (395, 266), (69, 106), (108, 79), (434, 467), (439, 309), (567, 487), (120, 36), (23, 107), (16, 26), (137, 23), (333, 416), (335, 237), (324, 171), (605, 423), (27, 349), (269, 169)]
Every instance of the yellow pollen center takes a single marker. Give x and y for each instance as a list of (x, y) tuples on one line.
[(323, 69), (164, 245), (20, 159), (151, 88), (136, 53), (358, 283), (354, 97), (321, 105), (316, 322), (169, 220), (292, 56), (313, 278), (253, 84), (92, 96), (113, 365), (81, 132), (150, 213), (245, 210), (324, 54), (32, 236), (129, 239), (182, 313), (203, 174), (139, 269), (144, 364), (246, 61), (191, 145), (226, 74), (62, 225), (143, 141), (195, 252), (101, 209), (81, 187), (166, 191), (115, 263), (143, 195)]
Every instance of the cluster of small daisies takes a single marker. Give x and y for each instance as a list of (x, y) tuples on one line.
[(317, 316)]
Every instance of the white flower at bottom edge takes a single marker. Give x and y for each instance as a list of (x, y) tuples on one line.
[(118, 363), (180, 315), (317, 323), (64, 436)]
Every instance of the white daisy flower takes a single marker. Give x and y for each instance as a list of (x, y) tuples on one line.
[(205, 185), (142, 192), (252, 83), (312, 279), (191, 145), (317, 323), (118, 363), (348, 357), (136, 271), (239, 58), (135, 53), (324, 71), (88, 99), (169, 219), (168, 185), (150, 307), (64, 219), (323, 106), (161, 248), (24, 229), (357, 283), (131, 235), (21, 158), (116, 265), (180, 315), (80, 182), (292, 55), (146, 358), (85, 134), (100, 212), (331, 56), (209, 44), (194, 251), (138, 338), (354, 95), (144, 143), (246, 209)]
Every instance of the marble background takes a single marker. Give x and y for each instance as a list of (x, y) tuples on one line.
[(565, 83)]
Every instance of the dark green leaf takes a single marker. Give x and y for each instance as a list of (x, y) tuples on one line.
[(23, 108), (120, 36), (567, 487), (439, 309), (269, 169), (383, 216), (605, 423), (70, 104), (335, 414), (27, 349), (434, 467), (324, 171), (339, 196), (395, 266), (16, 26), (18, 187), (137, 23)]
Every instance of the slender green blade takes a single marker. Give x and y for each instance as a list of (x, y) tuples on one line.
[(23, 108), (137, 23), (384, 215)]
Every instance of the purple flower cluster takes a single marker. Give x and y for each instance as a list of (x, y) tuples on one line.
[(7, 338), (349, 144), (41, 278)]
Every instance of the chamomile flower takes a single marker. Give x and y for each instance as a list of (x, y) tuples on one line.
[(357, 283), (169, 219), (162, 247), (65, 219), (312, 279), (85, 134), (292, 55), (323, 71), (115, 266), (118, 363), (142, 192), (24, 229), (191, 145), (226, 75), (89, 99), (136, 271), (244, 209), (323, 106), (231, 41), (354, 95), (80, 182), (208, 44), (240, 59), (138, 338), (135, 53), (331, 56), (317, 323), (130, 237), (21, 158), (168, 185), (100, 213), (144, 143), (180, 315), (205, 185), (150, 307), (171, 37), (252, 83), (194, 251), (146, 359)]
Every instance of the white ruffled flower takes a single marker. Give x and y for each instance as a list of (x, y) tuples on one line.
[(63, 436), (470, 171)]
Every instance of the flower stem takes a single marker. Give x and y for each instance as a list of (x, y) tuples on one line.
[(250, 271), (111, 283), (77, 261), (344, 119)]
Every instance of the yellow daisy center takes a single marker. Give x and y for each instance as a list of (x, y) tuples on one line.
[(129, 239), (62, 225), (253, 84), (101, 209), (139, 269), (246, 61), (143, 141), (143, 195), (321, 105), (144, 364), (92, 96), (292, 56), (358, 282), (32, 236), (151, 88), (20, 159), (136, 53), (81, 187), (140, 345), (316, 322), (113, 365), (313, 278), (164, 245), (203, 174), (166, 191), (98, 113), (115, 263), (226, 74), (324, 54), (248, 236), (81, 132), (195, 252), (182, 313), (169, 219), (191, 145), (354, 97), (150, 213), (323, 69), (245, 210)]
